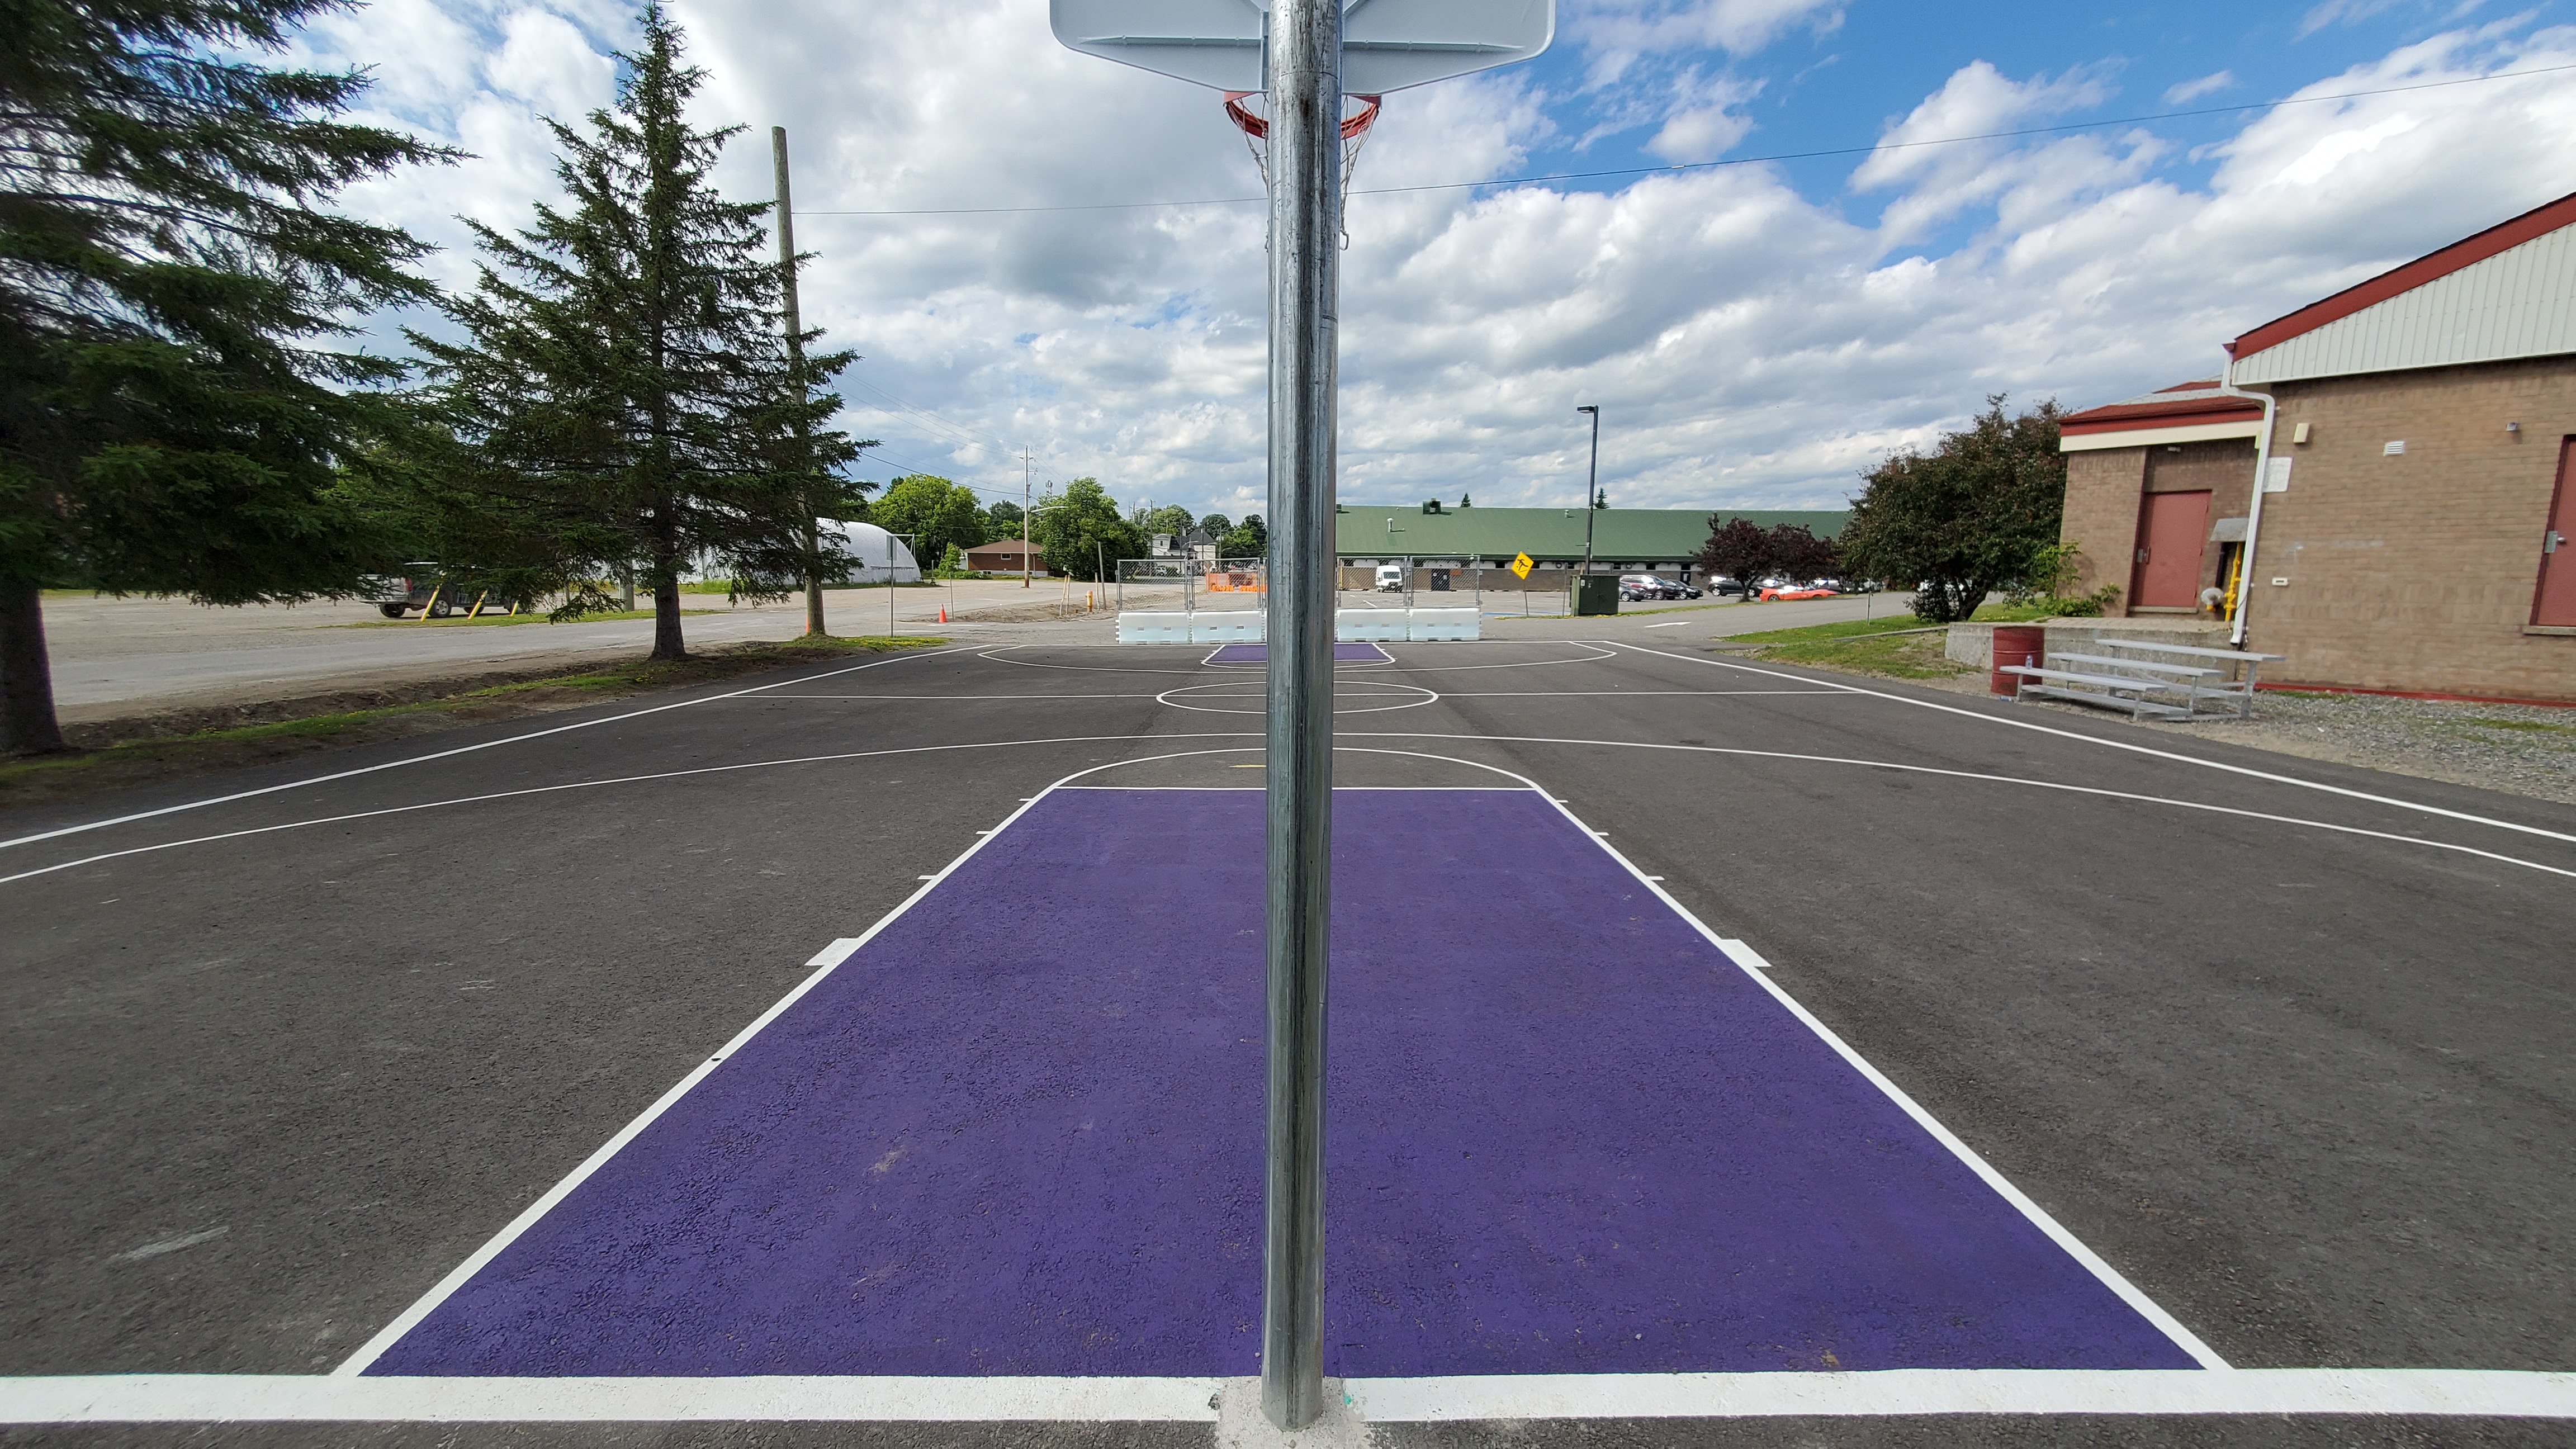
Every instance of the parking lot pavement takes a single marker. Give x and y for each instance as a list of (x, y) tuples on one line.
[(114, 658)]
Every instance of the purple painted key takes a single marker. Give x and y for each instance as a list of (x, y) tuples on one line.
[(1019, 1133)]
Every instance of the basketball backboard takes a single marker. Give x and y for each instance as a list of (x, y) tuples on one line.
[(1387, 45)]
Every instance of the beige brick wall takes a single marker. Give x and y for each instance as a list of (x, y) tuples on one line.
[(2416, 572), (2102, 488)]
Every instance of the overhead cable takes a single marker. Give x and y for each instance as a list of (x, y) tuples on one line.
[(1729, 161)]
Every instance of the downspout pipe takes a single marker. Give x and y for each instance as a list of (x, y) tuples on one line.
[(2253, 515)]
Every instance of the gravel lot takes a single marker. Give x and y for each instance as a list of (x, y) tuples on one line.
[(2518, 748)]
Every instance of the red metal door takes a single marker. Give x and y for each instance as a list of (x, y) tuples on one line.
[(2172, 527), (2555, 603)]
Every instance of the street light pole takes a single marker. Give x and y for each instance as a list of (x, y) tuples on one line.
[(1591, 491)]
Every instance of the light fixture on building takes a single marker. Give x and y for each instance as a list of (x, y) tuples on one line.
[(2513, 427), (2299, 434), (2393, 449)]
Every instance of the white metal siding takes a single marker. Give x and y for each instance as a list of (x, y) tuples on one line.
[(2521, 302)]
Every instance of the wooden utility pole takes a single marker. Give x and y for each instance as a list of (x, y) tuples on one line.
[(796, 370), (1024, 516)]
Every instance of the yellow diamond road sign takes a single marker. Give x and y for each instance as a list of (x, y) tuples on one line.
[(1523, 564)]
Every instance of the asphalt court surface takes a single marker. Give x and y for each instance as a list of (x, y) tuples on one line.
[(2250, 1064)]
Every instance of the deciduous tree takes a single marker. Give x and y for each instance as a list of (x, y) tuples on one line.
[(935, 512), (1966, 519), (1081, 533), (174, 291), (1248, 539)]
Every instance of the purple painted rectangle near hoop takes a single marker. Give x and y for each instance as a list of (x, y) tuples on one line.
[(1344, 652), (1566, 1134)]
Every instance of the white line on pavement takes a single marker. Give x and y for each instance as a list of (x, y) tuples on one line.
[(449, 754), (311, 1398)]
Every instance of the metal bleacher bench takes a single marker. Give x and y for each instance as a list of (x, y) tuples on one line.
[(2113, 691), (2135, 689), (2239, 690)]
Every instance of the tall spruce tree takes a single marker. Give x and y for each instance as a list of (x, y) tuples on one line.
[(623, 380), (172, 288)]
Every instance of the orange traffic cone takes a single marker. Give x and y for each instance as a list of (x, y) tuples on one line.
[(943, 616)]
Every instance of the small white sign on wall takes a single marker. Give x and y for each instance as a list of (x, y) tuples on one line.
[(2276, 475), (2394, 449)]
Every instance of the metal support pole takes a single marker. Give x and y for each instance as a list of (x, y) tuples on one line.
[(1305, 86)]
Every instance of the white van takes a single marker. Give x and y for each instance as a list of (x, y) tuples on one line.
[(1390, 578)]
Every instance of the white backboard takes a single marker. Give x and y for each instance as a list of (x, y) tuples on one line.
[(1387, 45)]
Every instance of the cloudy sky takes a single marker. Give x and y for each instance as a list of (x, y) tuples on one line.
[(1756, 331)]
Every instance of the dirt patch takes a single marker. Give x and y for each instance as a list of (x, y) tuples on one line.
[(112, 754), (1031, 613)]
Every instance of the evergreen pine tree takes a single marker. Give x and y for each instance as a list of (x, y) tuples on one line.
[(624, 381), (171, 290)]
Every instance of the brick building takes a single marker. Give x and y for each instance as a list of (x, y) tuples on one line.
[(1004, 556), (2408, 534)]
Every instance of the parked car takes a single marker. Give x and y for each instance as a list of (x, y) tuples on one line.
[(1639, 587), (425, 592), (1725, 586)]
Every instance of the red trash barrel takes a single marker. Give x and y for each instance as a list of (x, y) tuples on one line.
[(2022, 644)]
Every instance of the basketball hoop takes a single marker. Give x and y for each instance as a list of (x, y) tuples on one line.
[(1256, 129)]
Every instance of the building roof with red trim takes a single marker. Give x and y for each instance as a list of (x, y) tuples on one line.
[(2428, 314), (2180, 405)]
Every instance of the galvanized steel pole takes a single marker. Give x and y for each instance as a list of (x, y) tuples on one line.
[(1304, 65)]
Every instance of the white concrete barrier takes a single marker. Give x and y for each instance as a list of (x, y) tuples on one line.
[(1423, 625), (1143, 628), (1229, 626), (1369, 626)]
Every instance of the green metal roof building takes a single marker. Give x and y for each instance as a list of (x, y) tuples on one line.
[(1645, 539)]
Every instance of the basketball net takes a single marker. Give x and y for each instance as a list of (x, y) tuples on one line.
[(1247, 109)]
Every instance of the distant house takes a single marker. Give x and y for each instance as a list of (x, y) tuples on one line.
[(1004, 556), (2412, 527)]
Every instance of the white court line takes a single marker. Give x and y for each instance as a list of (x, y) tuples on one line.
[(459, 750), (1633, 693), (826, 961), (312, 1398), (2326, 825), (2496, 1393), (1247, 734), (969, 698), (2074, 1247), (996, 655), (2066, 734), (1676, 624), (596, 784)]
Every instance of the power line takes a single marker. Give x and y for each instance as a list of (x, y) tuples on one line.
[(1730, 161)]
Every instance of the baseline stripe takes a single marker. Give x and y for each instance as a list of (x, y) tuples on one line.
[(310, 1398), (2494, 1393)]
